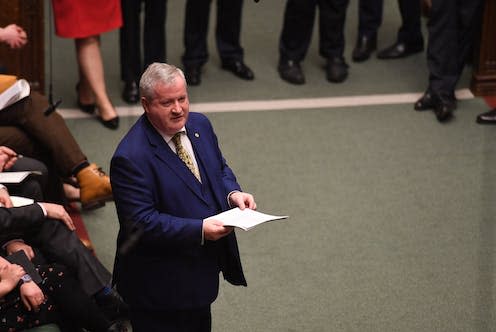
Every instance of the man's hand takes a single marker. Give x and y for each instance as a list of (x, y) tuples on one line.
[(7, 158), (242, 200), (5, 198), (10, 274), (16, 246), (14, 36), (31, 296), (214, 229), (58, 212)]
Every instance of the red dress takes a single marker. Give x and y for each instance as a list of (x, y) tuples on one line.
[(85, 18)]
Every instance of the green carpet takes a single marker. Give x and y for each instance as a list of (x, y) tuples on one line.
[(391, 213)]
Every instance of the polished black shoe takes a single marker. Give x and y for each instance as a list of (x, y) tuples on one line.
[(426, 102), (399, 50), (192, 75), (363, 49), (336, 70), (130, 94), (291, 72), (487, 117), (444, 109), (238, 68), (111, 123)]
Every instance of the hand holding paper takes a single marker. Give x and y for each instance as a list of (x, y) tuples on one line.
[(245, 219)]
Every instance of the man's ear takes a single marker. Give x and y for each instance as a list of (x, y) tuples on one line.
[(144, 103)]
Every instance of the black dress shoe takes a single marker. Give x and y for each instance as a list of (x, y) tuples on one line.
[(336, 70), (444, 109), (111, 123), (238, 68), (487, 118), (192, 75), (363, 49), (399, 50), (130, 94), (291, 72), (426, 102)]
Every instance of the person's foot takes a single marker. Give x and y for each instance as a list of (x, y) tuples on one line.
[(94, 186), (399, 50), (424, 103), (364, 47), (71, 193), (291, 72), (238, 68), (85, 99), (108, 116), (487, 117), (130, 94), (193, 74), (444, 109), (112, 304), (336, 70)]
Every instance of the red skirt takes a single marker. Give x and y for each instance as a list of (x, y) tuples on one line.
[(85, 18)]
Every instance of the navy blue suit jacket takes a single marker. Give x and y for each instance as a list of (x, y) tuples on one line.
[(155, 193)]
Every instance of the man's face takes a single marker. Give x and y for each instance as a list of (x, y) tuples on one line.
[(169, 110)]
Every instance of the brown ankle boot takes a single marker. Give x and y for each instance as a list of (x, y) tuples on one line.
[(94, 186)]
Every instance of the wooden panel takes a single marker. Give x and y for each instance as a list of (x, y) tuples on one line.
[(484, 72), (29, 61)]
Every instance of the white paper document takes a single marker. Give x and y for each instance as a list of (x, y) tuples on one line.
[(15, 177), (245, 219), (16, 92), (20, 201)]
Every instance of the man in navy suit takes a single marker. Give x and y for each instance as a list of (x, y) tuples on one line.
[(170, 255)]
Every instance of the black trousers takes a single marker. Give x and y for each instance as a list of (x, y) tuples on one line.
[(154, 38), (453, 25), (192, 320), (227, 31), (370, 18), (299, 17), (54, 242)]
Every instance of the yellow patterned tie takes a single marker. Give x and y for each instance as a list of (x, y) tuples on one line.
[(184, 156)]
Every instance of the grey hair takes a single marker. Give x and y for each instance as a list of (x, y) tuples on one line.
[(158, 72)]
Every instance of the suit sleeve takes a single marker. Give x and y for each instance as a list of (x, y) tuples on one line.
[(136, 202), (15, 221)]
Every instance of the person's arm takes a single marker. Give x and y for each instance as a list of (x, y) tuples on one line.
[(136, 204)]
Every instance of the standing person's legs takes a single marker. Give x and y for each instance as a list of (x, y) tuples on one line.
[(130, 49), (296, 34), (410, 31), (331, 44), (369, 20), (90, 64), (190, 320), (154, 39)]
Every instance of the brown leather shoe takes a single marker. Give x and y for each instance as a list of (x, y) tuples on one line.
[(94, 186)]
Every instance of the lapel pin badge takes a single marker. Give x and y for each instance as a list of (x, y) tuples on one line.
[(197, 135)]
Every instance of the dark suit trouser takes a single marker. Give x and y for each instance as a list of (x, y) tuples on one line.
[(452, 27), (35, 130), (370, 18), (154, 39), (193, 320), (299, 17), (227, 31), (58, 244)]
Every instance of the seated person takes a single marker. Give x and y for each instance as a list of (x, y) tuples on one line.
[(57, 299), (26, 130), (44, 231)]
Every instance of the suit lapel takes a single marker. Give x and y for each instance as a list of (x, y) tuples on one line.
[(165, 155)]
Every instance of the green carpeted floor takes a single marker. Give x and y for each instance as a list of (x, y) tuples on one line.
[(391, 213)]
